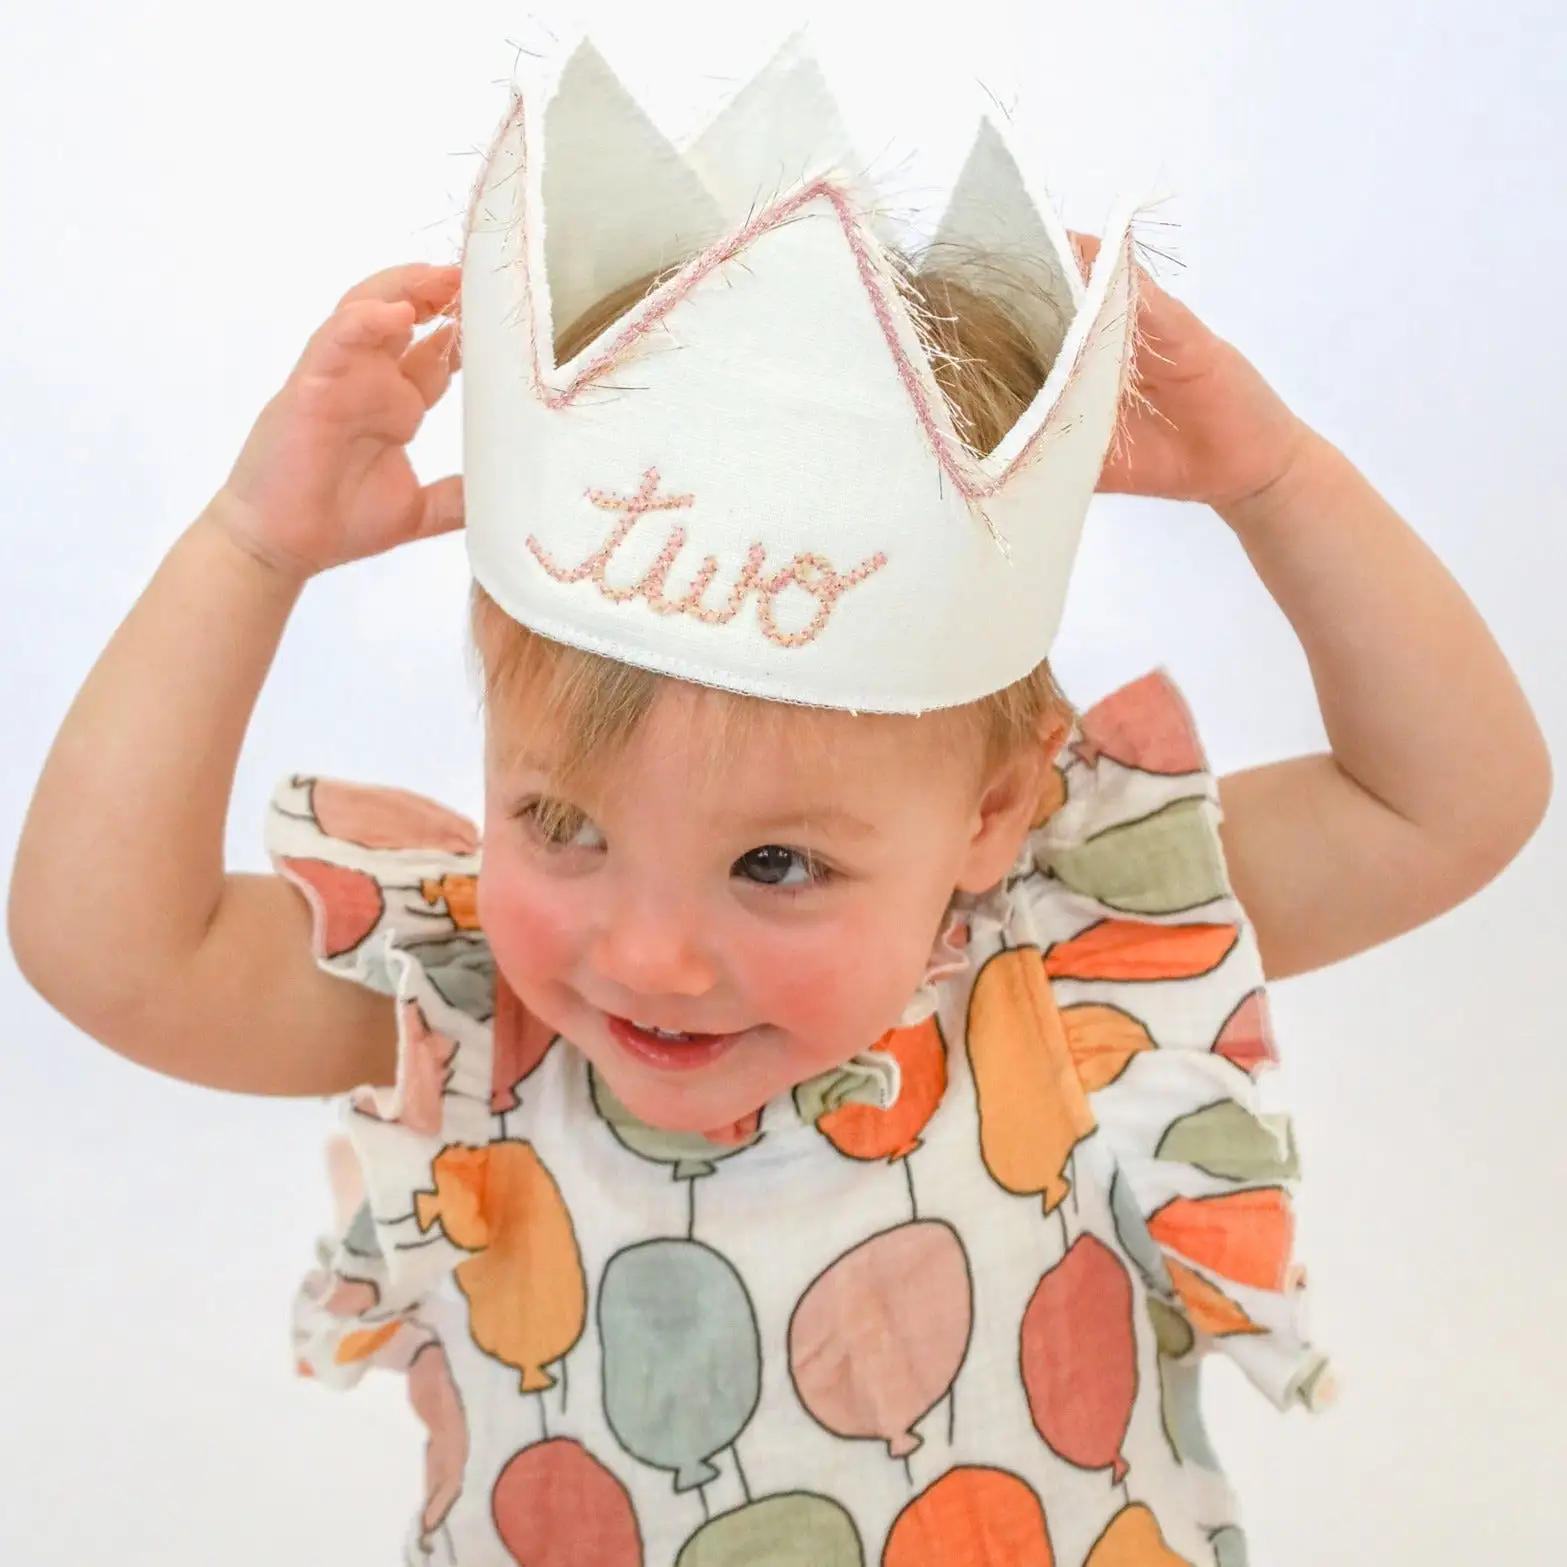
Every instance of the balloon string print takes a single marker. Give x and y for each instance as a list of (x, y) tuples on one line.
[(525, 1286), (1033, 1111), (682, 1367), (690, 1155), (869, 1133), (879, 1337)]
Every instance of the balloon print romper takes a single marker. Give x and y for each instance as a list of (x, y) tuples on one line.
[(942, 1307)]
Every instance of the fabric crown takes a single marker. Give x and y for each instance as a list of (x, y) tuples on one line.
[(752, 479)]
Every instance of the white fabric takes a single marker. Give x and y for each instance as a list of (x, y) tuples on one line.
[(783, 389)]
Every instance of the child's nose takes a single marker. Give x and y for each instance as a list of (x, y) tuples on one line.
[(654, 947)]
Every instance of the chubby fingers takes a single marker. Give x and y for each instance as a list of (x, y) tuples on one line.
[(432, 361), (356, 329), (430, 289)]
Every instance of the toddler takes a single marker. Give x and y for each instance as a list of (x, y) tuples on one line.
[(822, 1127)]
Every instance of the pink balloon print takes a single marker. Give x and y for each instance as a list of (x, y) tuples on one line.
[(879, 1338), (1079, 1357), (423, 1072), (378, 818), (1247, 1035), (521, 1042), (1145, 725), (345, 905), (556, 1505), (435, 1400)]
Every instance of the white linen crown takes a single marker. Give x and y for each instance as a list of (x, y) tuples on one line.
[(752, 480)]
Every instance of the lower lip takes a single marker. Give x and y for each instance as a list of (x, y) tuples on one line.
[(670, 1055)]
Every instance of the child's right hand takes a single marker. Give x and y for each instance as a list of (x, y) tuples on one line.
[(323, 477)]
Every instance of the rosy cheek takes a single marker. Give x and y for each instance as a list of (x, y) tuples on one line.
[(812, 981), (527, 923)]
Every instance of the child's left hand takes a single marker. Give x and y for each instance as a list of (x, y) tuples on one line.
[(1207, 427)]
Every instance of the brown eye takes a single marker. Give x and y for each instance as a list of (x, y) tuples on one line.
[(562, 826)]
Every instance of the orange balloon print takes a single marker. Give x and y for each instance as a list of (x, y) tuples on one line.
[(1134, 1539), (377, 818), (1245, 1236), (1102, 1040), (863, 1131), (346, 905), (1145, 725), (1208, 1309), (527, 1295), (971, 1517), (1052, 796), (1032, 1109), (1139, 950), (361, 1345), (460, 894)]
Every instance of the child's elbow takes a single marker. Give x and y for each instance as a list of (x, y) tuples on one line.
[(1519, 803)]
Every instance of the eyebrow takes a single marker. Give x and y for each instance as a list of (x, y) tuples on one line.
[(825, 816)]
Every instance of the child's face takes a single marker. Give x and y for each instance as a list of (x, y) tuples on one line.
[(774, 901)]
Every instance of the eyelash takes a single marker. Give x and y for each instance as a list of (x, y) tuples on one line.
[(555, 824)]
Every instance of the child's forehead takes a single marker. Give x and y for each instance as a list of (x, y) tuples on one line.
[(714, 745)]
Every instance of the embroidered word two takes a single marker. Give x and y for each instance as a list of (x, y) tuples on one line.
[(812, 573)]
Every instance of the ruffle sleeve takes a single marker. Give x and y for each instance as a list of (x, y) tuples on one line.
[(391, 880), (1159, 984)]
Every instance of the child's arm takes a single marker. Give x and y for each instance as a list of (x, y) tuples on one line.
[(120, 913), (1438, 773)]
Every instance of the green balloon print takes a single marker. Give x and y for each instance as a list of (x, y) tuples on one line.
[(796, 1529), (462, 972), (1131, 1229), (1229, 1547), (360, 1240), (682, 1356), (1165, 863), (691, 1154), (1172, 1332), (1181, 1406), (1227, 1140)]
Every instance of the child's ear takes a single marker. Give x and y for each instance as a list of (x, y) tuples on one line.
[(1009, 805)]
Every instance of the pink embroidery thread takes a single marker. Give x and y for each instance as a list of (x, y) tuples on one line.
[(971, 483), (812, 573)]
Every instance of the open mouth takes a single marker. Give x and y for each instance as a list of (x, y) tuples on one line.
[(668, 1049)]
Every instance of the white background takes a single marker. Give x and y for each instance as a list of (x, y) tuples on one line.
[(1369, 200)]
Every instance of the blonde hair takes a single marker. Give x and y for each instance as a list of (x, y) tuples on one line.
[(989, 369)]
